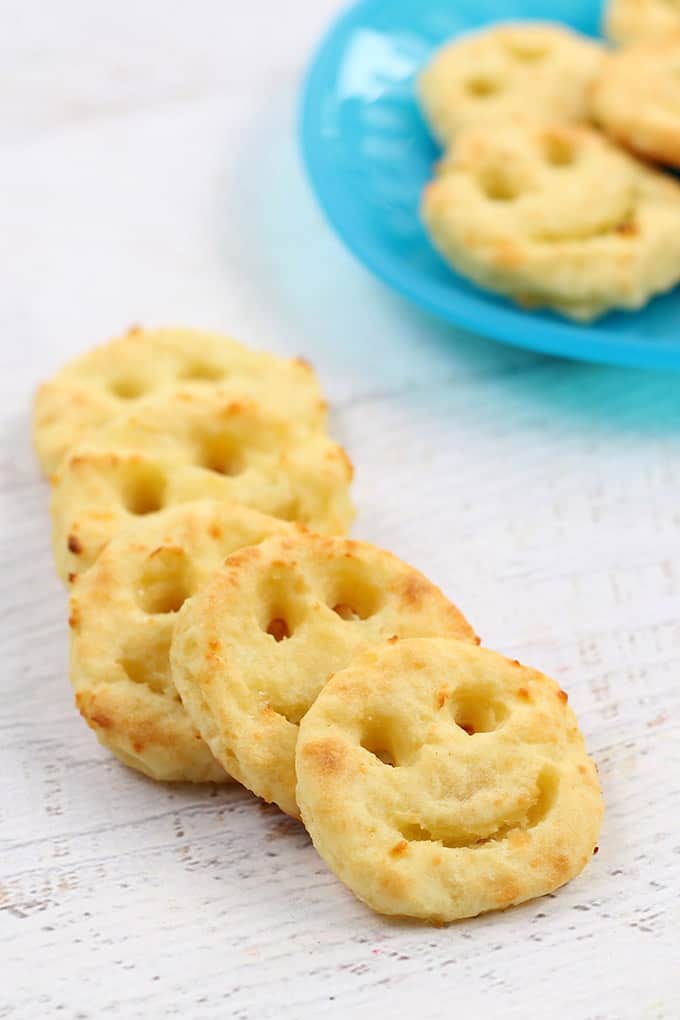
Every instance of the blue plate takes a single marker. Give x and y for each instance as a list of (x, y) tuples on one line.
[(368, 154)]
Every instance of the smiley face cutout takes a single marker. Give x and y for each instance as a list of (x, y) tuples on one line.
[(440, 780)]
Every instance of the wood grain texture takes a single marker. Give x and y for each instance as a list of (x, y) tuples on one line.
[(149, 174)]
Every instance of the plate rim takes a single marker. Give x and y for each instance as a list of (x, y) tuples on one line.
[(474, 312)]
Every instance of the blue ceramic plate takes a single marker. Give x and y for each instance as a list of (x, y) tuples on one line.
[(368, 154)]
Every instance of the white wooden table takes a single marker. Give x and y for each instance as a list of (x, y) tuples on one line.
[(149, 174)]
